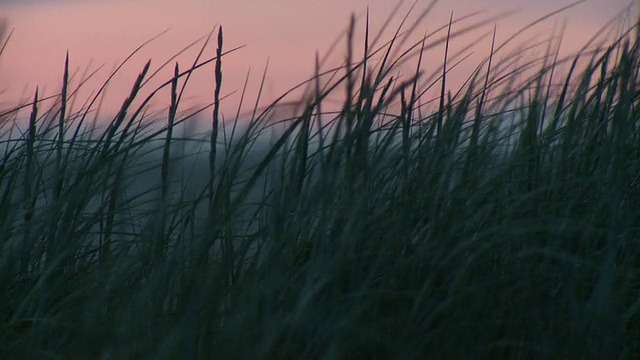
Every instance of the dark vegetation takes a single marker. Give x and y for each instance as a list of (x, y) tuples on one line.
[(502, 223)]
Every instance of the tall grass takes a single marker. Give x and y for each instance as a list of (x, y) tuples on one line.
[(503, 223)]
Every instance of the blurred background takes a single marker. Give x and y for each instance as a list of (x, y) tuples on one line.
[(100, 34)]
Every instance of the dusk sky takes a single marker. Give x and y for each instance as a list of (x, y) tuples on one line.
[(288, 32)]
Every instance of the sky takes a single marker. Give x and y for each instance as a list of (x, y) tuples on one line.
[(286, 33)]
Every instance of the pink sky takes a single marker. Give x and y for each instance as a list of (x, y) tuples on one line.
[(288, 32)]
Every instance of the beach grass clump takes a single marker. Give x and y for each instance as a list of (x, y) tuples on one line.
[(498, 220)]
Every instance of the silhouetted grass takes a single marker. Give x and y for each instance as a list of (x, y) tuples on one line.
[(503, 223)]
